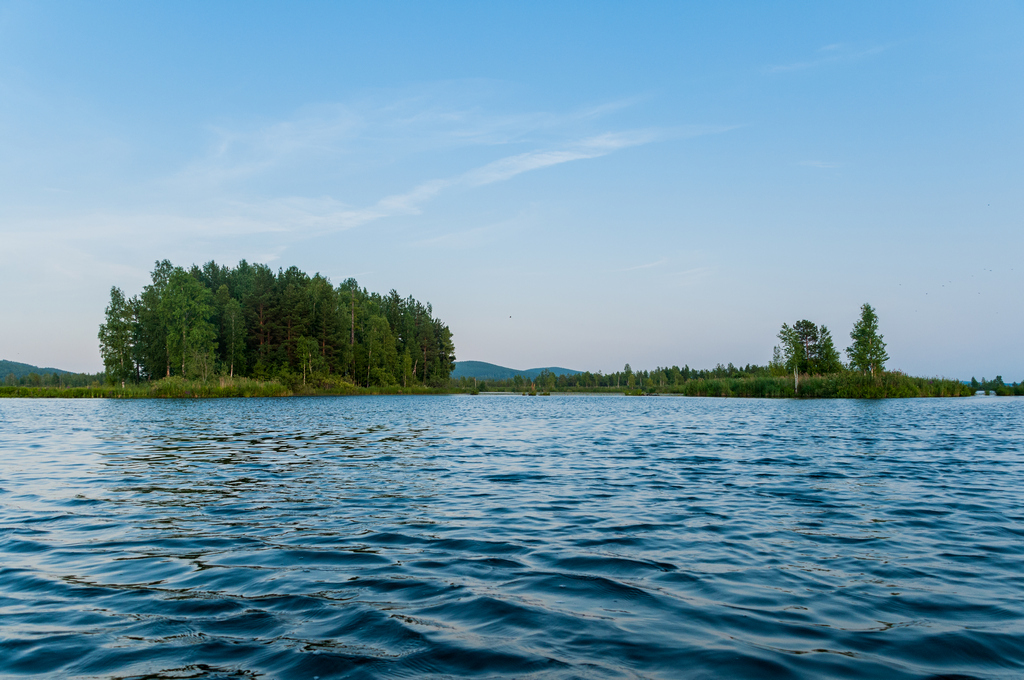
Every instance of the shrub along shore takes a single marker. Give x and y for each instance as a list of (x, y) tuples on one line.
[(846, 385)]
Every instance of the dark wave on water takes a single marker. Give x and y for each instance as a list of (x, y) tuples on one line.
[(509, 537)]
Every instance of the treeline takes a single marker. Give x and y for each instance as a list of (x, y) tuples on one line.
[(289, 327), (54, 379), (997, 387), (619, 381), (805, 363), (843, 385)]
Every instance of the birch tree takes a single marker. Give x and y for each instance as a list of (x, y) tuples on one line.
[(117, 338), (186, 310), (867, 352)]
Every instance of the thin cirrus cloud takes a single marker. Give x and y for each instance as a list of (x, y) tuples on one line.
[(691, 276), (829, 54), (411, 202), (381, 131), (237, 155), (593, 147), (648, 265), (230, 190), (403, 124), (330, 215), (326, 214)]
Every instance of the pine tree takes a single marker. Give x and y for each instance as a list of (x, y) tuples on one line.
[(826, 356)]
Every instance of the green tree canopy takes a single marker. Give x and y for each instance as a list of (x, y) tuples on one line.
[(805, 348), (117, 338), (826, 357), (867, 352), (186, 309), (252, 322)]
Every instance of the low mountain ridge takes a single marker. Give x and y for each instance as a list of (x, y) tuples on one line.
[(20, 370), (481, 370)]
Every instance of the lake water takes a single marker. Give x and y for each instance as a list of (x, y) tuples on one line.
[(516, 537)]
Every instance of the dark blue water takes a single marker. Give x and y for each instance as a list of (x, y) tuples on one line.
[(499, 536)]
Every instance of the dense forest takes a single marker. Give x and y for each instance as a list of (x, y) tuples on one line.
[(289, 327)]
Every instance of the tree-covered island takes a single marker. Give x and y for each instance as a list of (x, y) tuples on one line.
[(249, 331), (286, 327)]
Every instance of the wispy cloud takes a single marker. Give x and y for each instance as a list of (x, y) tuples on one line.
[(466, 238), (593, 147), (238, 154), (648, 265), (386, 124), (690, 276), (229, 190), (312, 215), (504, 169), (830, 54)]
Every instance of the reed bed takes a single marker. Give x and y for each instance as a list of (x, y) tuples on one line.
[(847, 385), (892, 385), (223, 387)]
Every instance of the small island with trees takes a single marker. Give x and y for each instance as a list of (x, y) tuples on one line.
[(805, 364), (219, 331)]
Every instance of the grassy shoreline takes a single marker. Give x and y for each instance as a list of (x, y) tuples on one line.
[(227, 388), (837, 386)]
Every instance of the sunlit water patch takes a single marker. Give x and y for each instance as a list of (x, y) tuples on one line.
[(499, 536)]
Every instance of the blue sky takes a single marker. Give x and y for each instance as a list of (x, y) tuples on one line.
[(574, 184)]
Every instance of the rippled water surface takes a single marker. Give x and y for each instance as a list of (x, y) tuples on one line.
[(501, 536)]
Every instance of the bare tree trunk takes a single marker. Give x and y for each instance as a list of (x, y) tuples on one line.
[(796, 381), (262, 324)]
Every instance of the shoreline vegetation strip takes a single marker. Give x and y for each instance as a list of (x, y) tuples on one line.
[(836, 386), (246, 331)]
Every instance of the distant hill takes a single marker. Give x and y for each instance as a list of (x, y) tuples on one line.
[(20, 370), (481, 370)]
